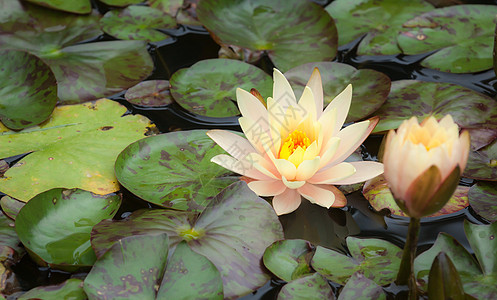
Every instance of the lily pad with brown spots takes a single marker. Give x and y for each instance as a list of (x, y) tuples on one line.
[(232, 232), (482, 197), (377, 259), (482, 164), (366, 18), (74, 6), (131, 269), (69, 289), (208, 88), (408, 98), (291, 32), (137, 22), (370, 87), (120, 3), (28, 90), (170, 7), (462, 36), (150, 93), (378, 194), (11, 206), (75, 148), (309, 287), (289, 259), (174, 170), (360, 287), (56, 225)]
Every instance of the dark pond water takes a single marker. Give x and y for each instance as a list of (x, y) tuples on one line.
[(316, 224)]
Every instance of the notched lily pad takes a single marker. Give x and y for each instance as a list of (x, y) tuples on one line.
[(378, 194), (69, 289), (291, 32), (56, 224), (208, 88), (289, 259), (376, 259), (309, 287), (482, 197), (461, 34), (174, 170), (409, 98), (370, 87), (28, 90), (150, 93), (482, 164), (367, 17), (360, 287), (237, 217), (75, 148), (137, 22)]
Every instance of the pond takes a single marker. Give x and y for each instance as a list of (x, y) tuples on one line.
[(135, 197)]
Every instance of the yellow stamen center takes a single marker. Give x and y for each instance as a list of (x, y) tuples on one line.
[(294, 140)]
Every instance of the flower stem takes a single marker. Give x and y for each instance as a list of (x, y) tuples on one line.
[(406, 271)]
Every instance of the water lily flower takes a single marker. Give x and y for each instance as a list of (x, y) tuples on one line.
[(423, 163), (296, 149)]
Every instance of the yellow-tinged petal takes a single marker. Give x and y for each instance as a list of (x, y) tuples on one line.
[(316, 85), (235, 145), (333, 174), (327, 122), (308, 103), (257, 134), (286, 202), (365, 170), (263, 165), (285, 168), (317, 195), (330, 150), (297, 156), (267, 188), (312, 151), (250, 106), (292, 184), (239, 167), (282, 91), (307, 169), (342, 104)]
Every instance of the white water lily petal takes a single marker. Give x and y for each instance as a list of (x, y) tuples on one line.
[(307, 168), (256, 133), (333, 174), (267, 188), (312, 151), (292, 184), (262, 165), (250, 106), (237, 166), (316, 85), (282, 91), (317, 195), (342, 104), (330, 150), (364, 170), (286, 168), (286, 202), (327, 122), (307, 101), (235, 145)]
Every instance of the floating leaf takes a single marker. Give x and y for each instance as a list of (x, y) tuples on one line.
[(174, 170), (208, 88), (74, 6), (377, 259), (444, 281), (150, 93), (237, 217), (359, 287), (482, 164), (131, 268), (291, 32), (10, 248), (170, 7), (190, 276), (461, 34), (120, 3), (482, 239), (28, 90), (482, 197), (409, 98), (378, 194), (289, 259), (76, 147), (309, 287), (69, 289), (367, 17), (56, 224), (137, 22), (11, 206), (370, 87)]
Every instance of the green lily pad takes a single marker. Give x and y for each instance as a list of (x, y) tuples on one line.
[(309, 287), (170, 7), (291, 32), (208, 88), (461, 34), (482, 197), (378, 194), (11, 206), (174, 170), (463, 261), (137, 22), (483, 242), (421, 99), (376, 259), (361, 288), (10, 248), (74, 6), (56, 224), (370, 87), (150, 93), (120, 3), (190, 275), (69, 289), (28, 90), (482, 164), (75, 148), (131, 268), (444, 281), (232, 232), (367, 17), (289, 259)]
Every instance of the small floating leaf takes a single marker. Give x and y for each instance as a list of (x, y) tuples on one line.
[(74, 6), (208, 88), (150, 93), (361, 288), (482, 164), (309, 287), (289, 259), (69, 289), (482, 197)]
